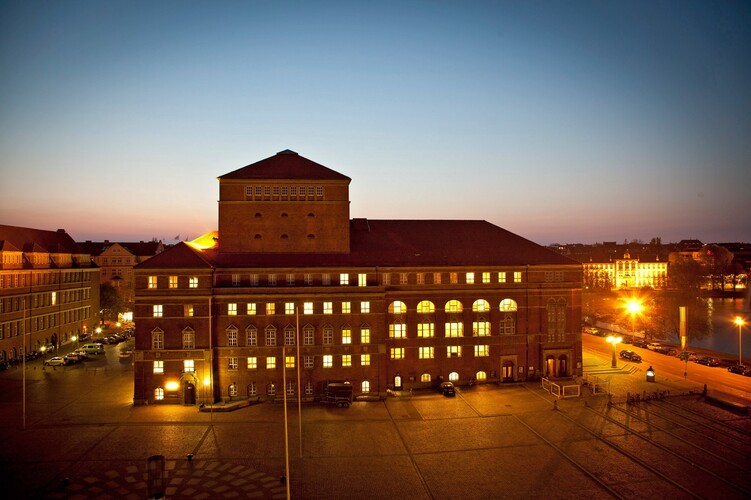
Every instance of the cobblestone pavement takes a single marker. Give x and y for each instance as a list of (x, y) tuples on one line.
[(84, 439)]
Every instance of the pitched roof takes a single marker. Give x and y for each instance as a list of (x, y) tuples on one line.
[(285, 165), (40, 240), (384, 243), (181, 256), (140, 248)]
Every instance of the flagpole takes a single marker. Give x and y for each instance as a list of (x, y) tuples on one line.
[(299, 387), (286, 431), (23, 350)]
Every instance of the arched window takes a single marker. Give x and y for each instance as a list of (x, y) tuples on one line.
[(425, 307), (508, 305), (425, 377), (481, 376), (397, 307), (508, 324), (480, 305), (453, 306), (158, 394), (365, 386), (453, 376)]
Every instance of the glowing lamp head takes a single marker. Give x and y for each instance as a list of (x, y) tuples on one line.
[(739, 321), (633, 306), (206, 381), (613, 339), (172, 385), (650, 372)]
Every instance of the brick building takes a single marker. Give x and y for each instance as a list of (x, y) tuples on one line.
[(289, 282), (49, 290)]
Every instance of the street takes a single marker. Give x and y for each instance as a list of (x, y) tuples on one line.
[(84, 438)]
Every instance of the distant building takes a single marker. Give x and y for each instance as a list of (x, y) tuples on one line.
[(627, 272), (49, 290), (117, 259), (289, 282)]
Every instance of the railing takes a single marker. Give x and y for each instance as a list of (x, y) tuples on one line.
[(561, 391)]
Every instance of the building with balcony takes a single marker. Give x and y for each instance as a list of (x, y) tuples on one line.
[(290, 288), (49, 290)]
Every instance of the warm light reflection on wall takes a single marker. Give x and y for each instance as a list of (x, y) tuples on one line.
[(172, 385)]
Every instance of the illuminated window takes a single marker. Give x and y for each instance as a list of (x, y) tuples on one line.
[(188, 310), (425, 307), (470, 277), (486, 277), (517, 277), (232, 363), (502, 277), (508, 305), (481, 375), (453, 278), (397, 353), (289, 308), (232, 309), (328, 335), (152, 281), (189, 339), (251, 309), (252, 336), (386, 279), (453, 306), (307, 308), (453, 376), (158, 366), (425, 377), (425, 330), (270, 336), (425, 353), (270, 308), (252, 362), (364, 335), (232, 337), (397, 307), (289, 361), (235, 280), (328, 361), (436, 278), (481, 328), (482, 351), (454, 329), (403, 278), (346, 335), (54, 298), (173, 281), (365, 386), (189, 366), (308, 335), (365, 307), (344, 279), (481, 306), (398, 330), (420, 278), (454, 351), (328, 308), (346, 360), (159, 394), (270, 362), (193, 282), (364, 359), (362, 279)]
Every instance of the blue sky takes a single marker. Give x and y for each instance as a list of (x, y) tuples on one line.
[(561, 121)]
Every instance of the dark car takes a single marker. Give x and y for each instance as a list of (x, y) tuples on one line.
[(709, 361), (640, 343), (447, 389), (630, 355), (740, 370), (669, 351)]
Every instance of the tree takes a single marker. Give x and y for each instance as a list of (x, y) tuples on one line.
[(110, 301), (686, 276), (716, 261)]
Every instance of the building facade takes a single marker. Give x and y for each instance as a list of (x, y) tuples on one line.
[(49, 290), (291, 294), (627, 272)]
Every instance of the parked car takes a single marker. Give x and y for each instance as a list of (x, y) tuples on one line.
[(740, 370), (709, 361), (630, 355), (690, 355), (591, 330), (669, 351), (81, 354), (447, 389), (640, 343), (653, 346), (56, 361), (94, 348)]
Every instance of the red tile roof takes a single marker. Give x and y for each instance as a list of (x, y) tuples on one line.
[(286, 165), (406, 243), (39, 240), (182, 255)]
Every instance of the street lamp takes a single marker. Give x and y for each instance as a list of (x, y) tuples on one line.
[(613, 340), (634, 308), (740, 322)]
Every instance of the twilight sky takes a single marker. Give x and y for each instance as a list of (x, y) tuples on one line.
[(575, 121)]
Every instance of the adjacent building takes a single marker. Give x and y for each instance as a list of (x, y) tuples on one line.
[(49, 290), (290, 294)]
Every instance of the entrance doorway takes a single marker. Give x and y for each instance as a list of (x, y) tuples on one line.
[(189, 393), (563, 365), (550, 366), (508, 371)]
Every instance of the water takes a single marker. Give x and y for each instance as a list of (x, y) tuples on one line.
[(724, 337)]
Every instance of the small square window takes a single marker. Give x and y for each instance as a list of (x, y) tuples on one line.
[(346, 307), (344, 279), (364, 307)]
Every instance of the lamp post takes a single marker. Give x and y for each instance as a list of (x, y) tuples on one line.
[(613, 340), (633, 307), (740, 322)]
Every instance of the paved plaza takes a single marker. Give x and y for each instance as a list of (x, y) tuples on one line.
[(85, 439)]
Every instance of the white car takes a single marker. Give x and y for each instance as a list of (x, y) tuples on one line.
[(653, 346), (56, 361)]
